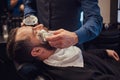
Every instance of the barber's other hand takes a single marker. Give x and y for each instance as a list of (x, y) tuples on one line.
[(113, 54), (62, 38)]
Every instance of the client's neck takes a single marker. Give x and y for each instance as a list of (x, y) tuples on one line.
[(51, 52), (47, 54)]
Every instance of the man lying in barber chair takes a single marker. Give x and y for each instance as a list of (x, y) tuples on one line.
[(28, 45)]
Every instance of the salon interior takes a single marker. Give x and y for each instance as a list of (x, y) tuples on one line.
[(11, 16)]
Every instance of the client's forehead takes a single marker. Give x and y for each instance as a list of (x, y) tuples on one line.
[(23, 32)]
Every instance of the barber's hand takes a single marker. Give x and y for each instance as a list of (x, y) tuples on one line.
[(62, 38), (113, 54)]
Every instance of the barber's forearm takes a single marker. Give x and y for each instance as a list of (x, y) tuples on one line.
[(92, 21), (89, 30)]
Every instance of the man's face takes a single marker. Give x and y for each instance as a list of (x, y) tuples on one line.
[(32, 33), (29, 32)]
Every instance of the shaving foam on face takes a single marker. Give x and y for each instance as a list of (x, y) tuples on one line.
[(43, 34)]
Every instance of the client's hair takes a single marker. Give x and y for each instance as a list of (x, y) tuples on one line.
[(20, 51)]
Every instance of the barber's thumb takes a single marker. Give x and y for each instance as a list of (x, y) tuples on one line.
[(58, 31)]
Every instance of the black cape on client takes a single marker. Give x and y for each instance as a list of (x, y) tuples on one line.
[(97, 66)]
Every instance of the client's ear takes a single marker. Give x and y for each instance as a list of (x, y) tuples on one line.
[(36, 51)]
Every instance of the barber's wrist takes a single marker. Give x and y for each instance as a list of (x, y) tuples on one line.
[(75, 38)]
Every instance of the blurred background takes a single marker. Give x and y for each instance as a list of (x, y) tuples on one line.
[(11, 15)]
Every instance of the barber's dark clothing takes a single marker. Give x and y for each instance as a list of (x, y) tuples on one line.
[(56, 14), (96, 68)]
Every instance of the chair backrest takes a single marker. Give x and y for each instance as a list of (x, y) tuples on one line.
[(31, 72)]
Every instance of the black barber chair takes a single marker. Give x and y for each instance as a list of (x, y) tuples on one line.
[(31, 72), (7, 68)]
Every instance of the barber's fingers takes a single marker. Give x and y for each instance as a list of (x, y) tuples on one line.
[(60, 43), (58, 31), (62, 39), (57, 41), (57, 44), (58, 34), (54, 37)]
